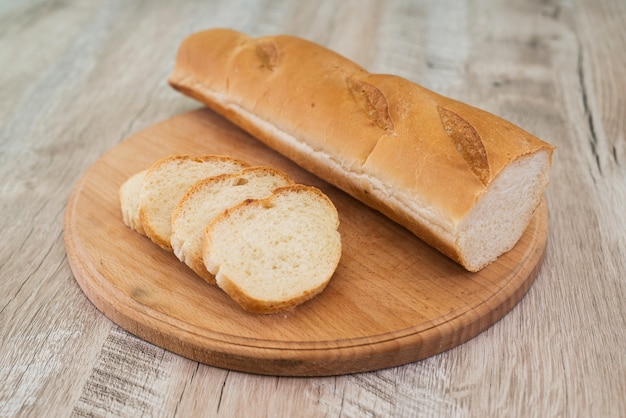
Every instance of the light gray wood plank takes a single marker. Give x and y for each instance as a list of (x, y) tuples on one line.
[(77, 77)]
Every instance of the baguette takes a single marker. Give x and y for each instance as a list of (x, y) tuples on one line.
[(463, 180)]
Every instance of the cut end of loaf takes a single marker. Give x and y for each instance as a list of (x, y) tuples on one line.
[(498, 220)]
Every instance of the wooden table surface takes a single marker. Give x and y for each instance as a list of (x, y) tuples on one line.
[(77, 77)]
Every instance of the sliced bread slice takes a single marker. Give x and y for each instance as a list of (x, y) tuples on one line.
[(129, 194), (166, 182), (273, 254), (208, 198)]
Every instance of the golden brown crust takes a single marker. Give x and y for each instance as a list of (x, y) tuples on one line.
[(263, 307)]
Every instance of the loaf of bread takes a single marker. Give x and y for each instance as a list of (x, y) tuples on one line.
[(465, 181), (208, 198), (273, 254)]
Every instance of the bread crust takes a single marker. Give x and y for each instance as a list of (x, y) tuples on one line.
[(420, 158), (263, 307)]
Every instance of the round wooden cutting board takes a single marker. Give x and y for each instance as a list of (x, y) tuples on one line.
[(393, 300)]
